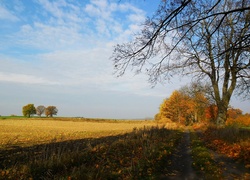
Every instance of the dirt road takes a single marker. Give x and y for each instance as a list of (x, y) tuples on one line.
[(179, 165)]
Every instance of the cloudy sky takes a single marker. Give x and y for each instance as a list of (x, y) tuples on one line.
[(58, 53)]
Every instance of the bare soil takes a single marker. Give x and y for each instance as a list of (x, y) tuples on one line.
[(180, 163)]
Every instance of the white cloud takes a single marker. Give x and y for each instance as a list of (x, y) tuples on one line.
[(5, 14), (56, 8), (24, 78), (64, 49), (47, 37), (114, 19), (73, 27)]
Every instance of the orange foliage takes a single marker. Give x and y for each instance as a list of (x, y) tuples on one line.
[(233, 113), (243, 120), (211, 113), (234, 150), (183, 108)]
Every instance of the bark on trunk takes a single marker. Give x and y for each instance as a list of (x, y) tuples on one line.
[(221, 119), (222, 114)]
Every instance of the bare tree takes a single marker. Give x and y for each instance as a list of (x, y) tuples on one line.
[(207, 39), (40, 110)]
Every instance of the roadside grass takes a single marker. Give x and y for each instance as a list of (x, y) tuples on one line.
[(203, 161), (112, 151), (11, 117), (233, 141)]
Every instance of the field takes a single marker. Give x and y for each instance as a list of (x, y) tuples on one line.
[(25, 132), (79, 148)]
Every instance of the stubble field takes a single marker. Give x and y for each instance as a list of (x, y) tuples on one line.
[(31, 131)]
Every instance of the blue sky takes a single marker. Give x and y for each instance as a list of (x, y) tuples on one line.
[(58, 53)]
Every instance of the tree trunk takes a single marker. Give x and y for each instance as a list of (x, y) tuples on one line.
[(222, 112), (222, 117)]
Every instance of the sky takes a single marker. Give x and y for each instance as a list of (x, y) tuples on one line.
[(57, 52)]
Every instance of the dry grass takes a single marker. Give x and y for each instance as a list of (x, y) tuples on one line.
[(25, 132), (89, 149)]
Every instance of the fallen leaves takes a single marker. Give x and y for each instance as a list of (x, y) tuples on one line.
[(217, 139)]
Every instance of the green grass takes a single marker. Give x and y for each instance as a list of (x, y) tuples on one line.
[(246, 127), (202, 159), (11, 117)]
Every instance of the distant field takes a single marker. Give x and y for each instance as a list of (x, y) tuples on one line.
[(30, 131)]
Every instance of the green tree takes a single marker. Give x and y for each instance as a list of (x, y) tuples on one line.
[(50, 111), (40, 110), (29, 110), (207, 39)]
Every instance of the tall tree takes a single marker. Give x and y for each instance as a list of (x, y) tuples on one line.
[(40, 110), (50, 111), (29, 110), (208, 39)]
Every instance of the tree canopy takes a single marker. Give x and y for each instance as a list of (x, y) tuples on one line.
[(185, 107), (206, 39), (40, 110), (50, 111), (29, 110), (190, 105)]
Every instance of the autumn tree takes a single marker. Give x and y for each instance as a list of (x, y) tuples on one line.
[(162, 115), (29, 110), (50, 111), (187, 105), (211, 113), (234, 113), (199, 99), (176, 108), (206, 39), (40, 110)]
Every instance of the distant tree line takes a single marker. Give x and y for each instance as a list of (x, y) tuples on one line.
[(30, 109)]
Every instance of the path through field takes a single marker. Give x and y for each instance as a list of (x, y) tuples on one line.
[(180, 163)]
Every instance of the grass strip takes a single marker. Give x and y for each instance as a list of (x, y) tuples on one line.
[(203, 161)]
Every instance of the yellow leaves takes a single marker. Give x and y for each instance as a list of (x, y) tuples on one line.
[(4, 173), (247, 166), (165, 152), (149, 171), (226, 141)]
